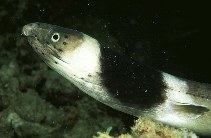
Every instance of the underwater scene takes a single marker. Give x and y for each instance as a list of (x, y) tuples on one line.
[(105, 69)]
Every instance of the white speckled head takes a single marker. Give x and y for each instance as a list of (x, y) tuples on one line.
[(72, 54), (69, 52)]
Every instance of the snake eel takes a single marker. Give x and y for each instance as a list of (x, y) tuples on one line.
[(121, 82)]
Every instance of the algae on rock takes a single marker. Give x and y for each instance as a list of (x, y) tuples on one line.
[(145, 128)]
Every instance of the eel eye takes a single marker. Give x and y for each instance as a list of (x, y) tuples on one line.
[(55, 37)]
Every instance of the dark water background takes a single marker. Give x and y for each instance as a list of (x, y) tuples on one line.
[(173, 36)]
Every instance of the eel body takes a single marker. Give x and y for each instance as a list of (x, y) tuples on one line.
[(119, 81)]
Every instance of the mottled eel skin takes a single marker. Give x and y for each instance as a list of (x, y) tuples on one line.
[(119, 81)]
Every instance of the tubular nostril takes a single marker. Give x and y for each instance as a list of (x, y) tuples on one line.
[(24, 30), (27, 29)]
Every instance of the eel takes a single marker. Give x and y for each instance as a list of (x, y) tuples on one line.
[(121, 82)]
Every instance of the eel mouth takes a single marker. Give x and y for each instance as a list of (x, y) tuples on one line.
[(47, 52)]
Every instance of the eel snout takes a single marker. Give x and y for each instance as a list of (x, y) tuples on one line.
[(28, 29)]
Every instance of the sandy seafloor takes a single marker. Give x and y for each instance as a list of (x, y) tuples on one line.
[(37, 102)]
